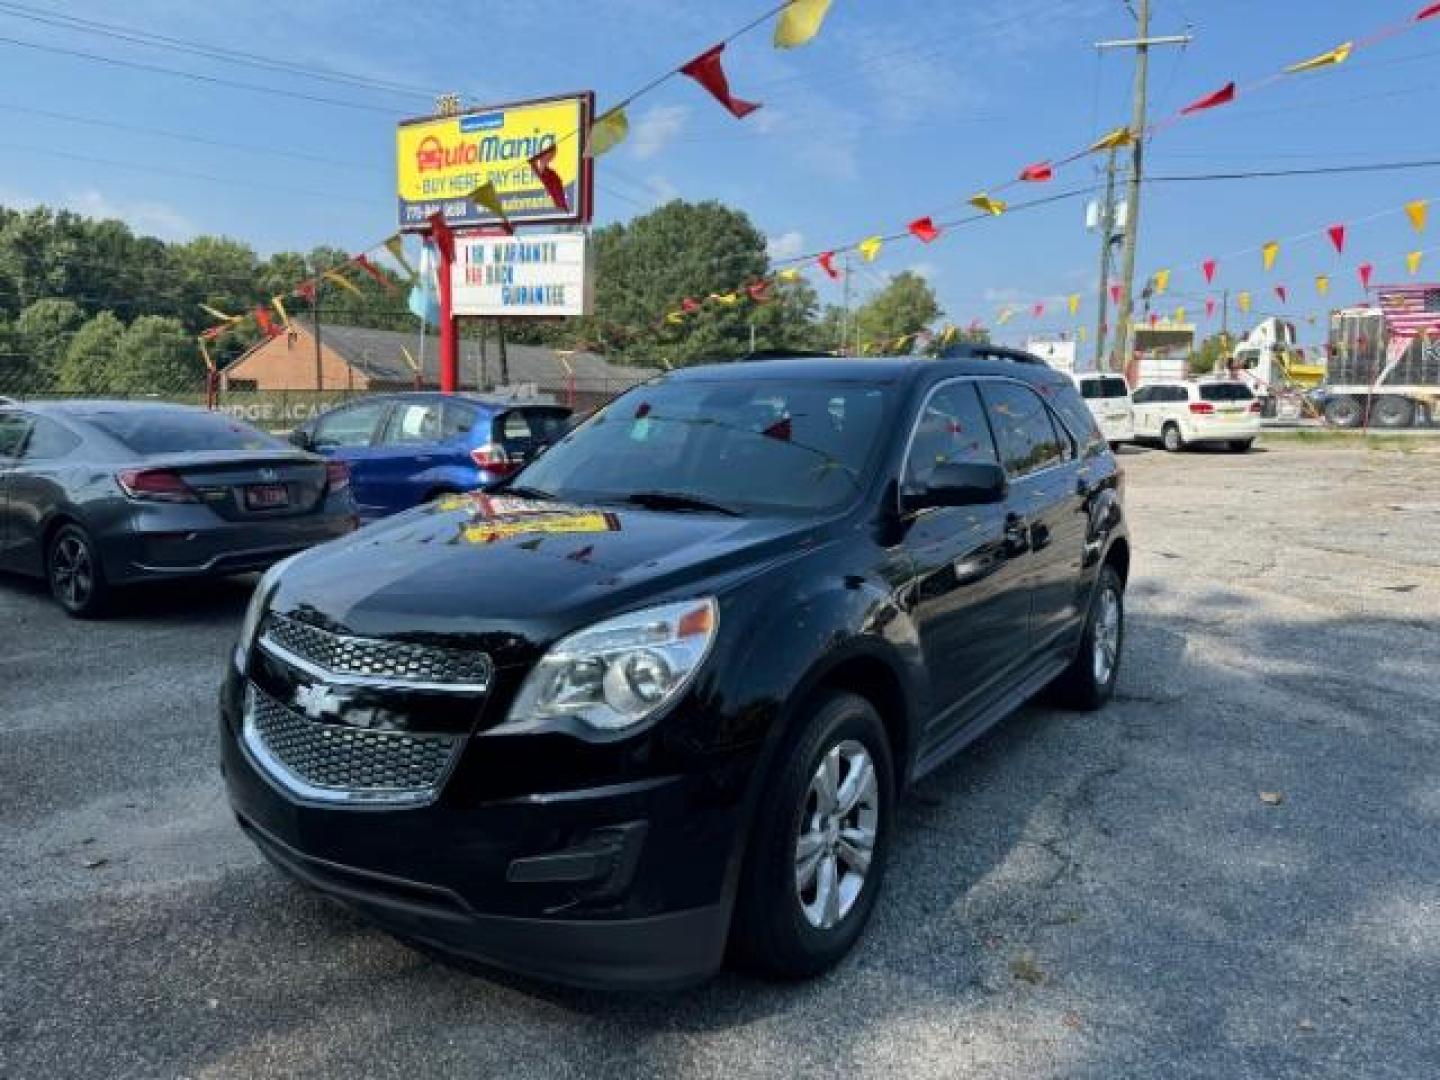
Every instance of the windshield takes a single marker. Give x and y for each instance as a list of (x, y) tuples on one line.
[(163, 431), (1091, 389), (763, 446)]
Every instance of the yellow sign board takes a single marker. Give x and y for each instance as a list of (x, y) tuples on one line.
[(440, 160)]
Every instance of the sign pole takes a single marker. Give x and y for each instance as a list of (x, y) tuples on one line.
[(449, 340)]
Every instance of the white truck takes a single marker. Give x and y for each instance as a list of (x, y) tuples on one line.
[(1058, 353), (1271, 361), (1370, 383)]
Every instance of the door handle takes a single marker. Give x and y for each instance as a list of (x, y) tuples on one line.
[(1017, 536)]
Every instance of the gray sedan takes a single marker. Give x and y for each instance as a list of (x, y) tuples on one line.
[(99, 494)]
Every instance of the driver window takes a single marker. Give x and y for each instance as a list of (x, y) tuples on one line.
[(951, 431)]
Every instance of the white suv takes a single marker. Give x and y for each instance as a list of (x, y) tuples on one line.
[(1180, 414), (1109, 399)]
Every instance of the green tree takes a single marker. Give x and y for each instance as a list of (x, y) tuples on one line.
[(1212, 354), (42, 333), (90, 363), (905, 306), (156, 356)]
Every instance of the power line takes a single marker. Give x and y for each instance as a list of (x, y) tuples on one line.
[(1327, 170), (151, 39)]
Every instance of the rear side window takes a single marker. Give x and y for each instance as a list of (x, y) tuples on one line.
[(456, 420), (951, 430), (1079, 419), (48, 440), (1225, 392), (1024, 429), (521, 430), (148, 432)]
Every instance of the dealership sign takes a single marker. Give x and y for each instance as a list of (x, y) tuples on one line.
[(543, 274), (441, 160)]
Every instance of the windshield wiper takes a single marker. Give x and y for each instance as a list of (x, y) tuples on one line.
[(677, 500), (522, 492)]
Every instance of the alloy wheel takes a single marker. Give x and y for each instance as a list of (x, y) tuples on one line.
[(1106, 649), (71, 571), (838, 828)]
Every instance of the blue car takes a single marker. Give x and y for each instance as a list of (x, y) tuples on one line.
[(406, 449)]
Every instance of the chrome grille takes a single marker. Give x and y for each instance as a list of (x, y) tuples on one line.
[(396, 662), (344, 764)]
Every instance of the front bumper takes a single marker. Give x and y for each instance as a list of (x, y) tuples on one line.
[(619, 884)]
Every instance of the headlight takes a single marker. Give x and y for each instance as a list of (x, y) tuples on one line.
[(259, 600), (619, 672)]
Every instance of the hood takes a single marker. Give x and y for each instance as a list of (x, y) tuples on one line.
[(499, 567)]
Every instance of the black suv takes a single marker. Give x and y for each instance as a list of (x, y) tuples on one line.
[(657, 694)]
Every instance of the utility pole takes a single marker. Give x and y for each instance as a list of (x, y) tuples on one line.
[(1107, 238), (315, 321), (845, 319), (1141, 43)]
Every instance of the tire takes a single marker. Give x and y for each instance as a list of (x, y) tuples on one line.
[(75, 575), (1089, 681), (783, 927), (1344, 412), (1171, 439), (1392, 412), (1240, 446)]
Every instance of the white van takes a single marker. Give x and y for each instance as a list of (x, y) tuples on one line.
[(1109, 399), (1180, 414)]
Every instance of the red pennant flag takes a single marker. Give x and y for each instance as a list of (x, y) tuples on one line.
[(706, 70), (1223, 96), (1337, 237), (374, 271), (688, 305), (264, 322), (1429, 13), (759, 291), (1038, 173), (1115, 294), (827, 263), (1282, 293), (1209, 309), (543, 164), (306, 291), (923, 229), (1365, 271), (1154, 318), (1209, 267)]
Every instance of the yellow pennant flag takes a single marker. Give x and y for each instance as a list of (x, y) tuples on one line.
[(729, 299), (1162, 281), (870, 247), (1243, 301), (1322, 284), (339, 279), (1074, 303), (1337, 55), (1179, 314), (675, 318), (1418, 212), (396, 246), (800, 22), (204, 352), (279, 305), (409, 360), (487, 197), (607, 132), (988, 205), (1080, 333), (790, 275), (1004, 316), (949, 334), (1268, 254), (1121, 136), (1412, 262), (216, 313)]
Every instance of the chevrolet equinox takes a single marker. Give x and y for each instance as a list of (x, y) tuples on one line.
[(650, 701)]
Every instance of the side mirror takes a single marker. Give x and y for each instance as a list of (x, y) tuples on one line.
[(955, 484), (301, 438)]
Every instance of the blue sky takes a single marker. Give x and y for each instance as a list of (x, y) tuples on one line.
[(899, 108)]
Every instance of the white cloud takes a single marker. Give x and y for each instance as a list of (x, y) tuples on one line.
[(656, 128), (145, 217), (785, 246)]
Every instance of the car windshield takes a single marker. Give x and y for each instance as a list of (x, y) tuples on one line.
[(1091, 389), (763, 446), (1225, 392), (148, 432)]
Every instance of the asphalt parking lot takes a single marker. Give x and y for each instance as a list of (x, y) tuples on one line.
[(1230, 872)]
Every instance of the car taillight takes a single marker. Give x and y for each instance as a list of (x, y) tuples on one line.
[(155, 485), (337, 475), (1255, 407), (1201, 408), (492, 458)]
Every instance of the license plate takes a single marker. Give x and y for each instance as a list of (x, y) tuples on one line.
[(266, 496), (1230, 409)]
